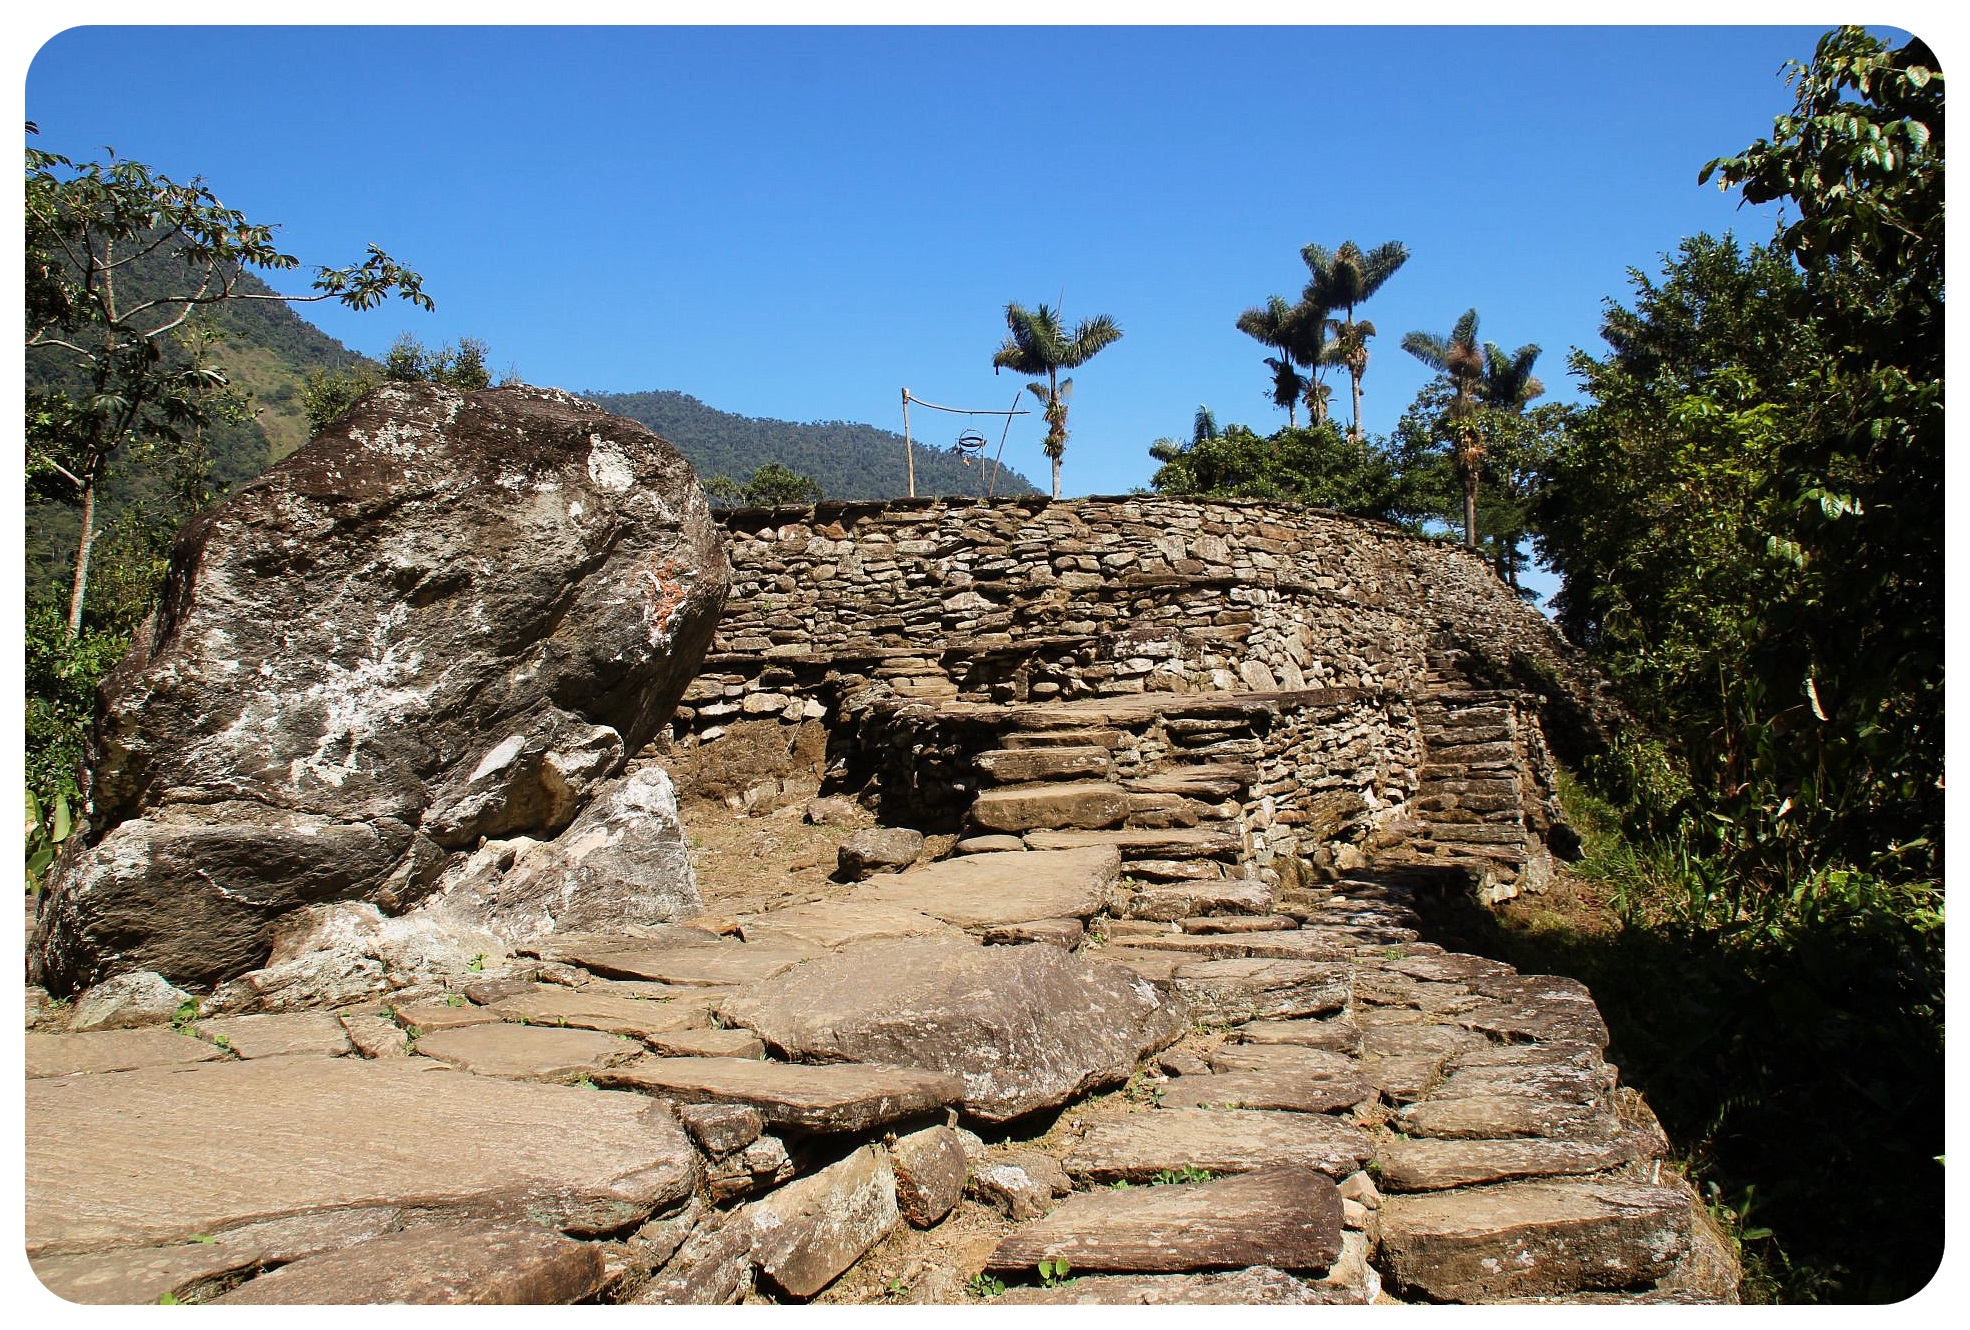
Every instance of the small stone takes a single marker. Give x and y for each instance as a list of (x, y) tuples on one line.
[(836, 1098), (877, 850), (712, 1269), (1017, 1194), (376, 1036), (992, 844), (721, 1128), (140, 997), (931, 1168), (838, 812)]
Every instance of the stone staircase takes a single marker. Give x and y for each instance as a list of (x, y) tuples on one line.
[(1480, 806)]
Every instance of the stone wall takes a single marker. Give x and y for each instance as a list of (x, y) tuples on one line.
[(886, 622)]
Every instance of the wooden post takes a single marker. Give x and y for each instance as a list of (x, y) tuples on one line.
[(909, 458)]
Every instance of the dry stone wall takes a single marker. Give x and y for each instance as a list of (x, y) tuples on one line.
[(913, 631)]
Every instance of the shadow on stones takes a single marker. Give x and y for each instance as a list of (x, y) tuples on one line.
[(1801, 1084)]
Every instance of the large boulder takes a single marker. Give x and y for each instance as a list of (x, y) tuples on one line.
[(1026, 1027), (449, 617)]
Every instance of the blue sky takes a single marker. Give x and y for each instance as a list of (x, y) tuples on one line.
[(799, 222)]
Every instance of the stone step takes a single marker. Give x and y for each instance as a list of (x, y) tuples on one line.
[(1137, 1147), (288, 1136), (442, 1264), (841, 1097), (1532, 1239), (1081, 805), (1273, 1088), (1438, 1165), (1233, 991), (1016, 766), (1146, 843), (1288, 1217), (990, 890), (1213, 781), (1025, 739), (1238, 923), (527, 1052)]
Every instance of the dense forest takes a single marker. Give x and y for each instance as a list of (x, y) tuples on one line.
[(1745, 510), (846, 460)]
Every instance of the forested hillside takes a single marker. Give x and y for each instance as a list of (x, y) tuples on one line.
[(847, 460), (265, 349)]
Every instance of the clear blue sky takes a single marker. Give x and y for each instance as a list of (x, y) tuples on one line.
[(799, 222)]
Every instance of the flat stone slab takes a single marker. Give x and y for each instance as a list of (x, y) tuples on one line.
[(1025, 1027), (1013, 766), (1491, 1117), (986, 890), (578, 948), (428, 1016), (1231, 992), (1532, 1239), (1144, 842), (1281, 1088), (1337, 1033), (1429, 1165), (1286, 1217), (713, 965), (610, 1013), (1540, 1008), (1168, 902), (1021, 808), (709, 1044), (288, 1136), (826, 925), (527, 1052), (479, 1264), (96, 1051), (285, 1034), (815, 1227), (1298, 944), (833, 1098), (1259, 1286), (143, 1275), (1138, 1147)]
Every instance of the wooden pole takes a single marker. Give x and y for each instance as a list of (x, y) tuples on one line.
[(909, 458)]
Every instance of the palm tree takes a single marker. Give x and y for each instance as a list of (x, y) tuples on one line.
[(1342, 279), (1508, 380), (1462, 360), (1298, 333), (1035, 344)]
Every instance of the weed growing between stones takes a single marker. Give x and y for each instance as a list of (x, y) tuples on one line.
[(982, 1285)]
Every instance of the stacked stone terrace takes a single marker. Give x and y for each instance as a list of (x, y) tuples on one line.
[(1313, 672)]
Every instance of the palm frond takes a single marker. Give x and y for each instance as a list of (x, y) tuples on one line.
[(1090, 336), (1430, 348)]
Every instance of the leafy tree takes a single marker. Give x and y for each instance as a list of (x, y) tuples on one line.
[(1036, 344), (1311, 465), (131, 376), (769, 486), (1342, 279)]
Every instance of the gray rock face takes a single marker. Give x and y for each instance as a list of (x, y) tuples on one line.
[(622, 861), (1026, 1027), (449, 616)]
